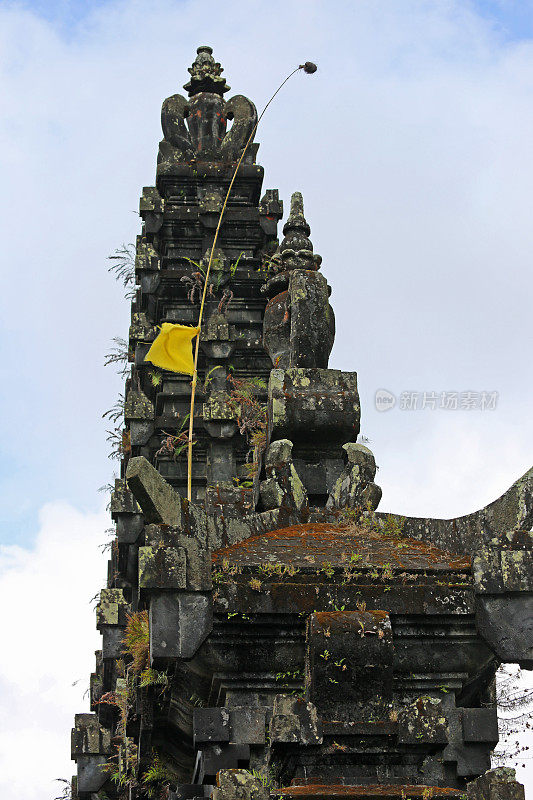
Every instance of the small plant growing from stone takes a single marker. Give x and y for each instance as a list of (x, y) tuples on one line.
[(233, 267), (119, 355), (327, 569), (174, 444), (156, 378), (137, 641), (153, 677), (115, 413), (123, 268), (158, 777), (120, 442)]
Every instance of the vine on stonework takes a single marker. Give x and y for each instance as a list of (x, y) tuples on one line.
[(135, 673), (251, 417), (174, 444)]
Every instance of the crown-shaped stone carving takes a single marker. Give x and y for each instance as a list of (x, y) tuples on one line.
[(206, 74), (196, 128)]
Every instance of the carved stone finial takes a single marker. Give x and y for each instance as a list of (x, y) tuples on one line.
[(296, 247), (206, 74), (195, 128)]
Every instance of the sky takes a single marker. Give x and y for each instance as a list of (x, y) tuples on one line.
[(412, 147)]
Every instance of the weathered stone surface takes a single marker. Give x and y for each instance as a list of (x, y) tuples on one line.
[(496, 784), (312, 320), (355, 488), (480, 725), (239, 784), (122, 500), (506, 624), (193, 555), (111, 606), (271, 493), (349, 664), (112, 641), (295, 720), (179, 623), (158, 500), (513, 511), (248, 725), (162, 568), (320, 403), (423, 720), (283, 481), (138, 406), (129, 527), (88, 737), (211, 725), (91, 774)]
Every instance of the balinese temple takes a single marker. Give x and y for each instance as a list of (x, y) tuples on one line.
[(277, 635)]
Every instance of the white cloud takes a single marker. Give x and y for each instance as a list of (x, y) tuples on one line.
[(49, 639)]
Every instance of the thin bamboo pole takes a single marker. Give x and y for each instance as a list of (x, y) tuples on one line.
[(307, 68)]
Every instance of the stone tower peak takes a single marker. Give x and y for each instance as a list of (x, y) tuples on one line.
[(206, 74), (296, 249)]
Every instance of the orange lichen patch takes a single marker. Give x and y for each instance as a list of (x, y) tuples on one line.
[(328, 617), (393, 792), (313, 545)]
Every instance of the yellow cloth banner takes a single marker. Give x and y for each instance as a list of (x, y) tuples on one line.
[(172, 348)]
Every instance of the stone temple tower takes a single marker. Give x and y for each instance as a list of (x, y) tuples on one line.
[(278, 636)]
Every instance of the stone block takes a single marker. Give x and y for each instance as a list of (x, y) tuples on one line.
[(423, 722), (146, 256), (157, 498), (247, 724), (138, 406), (140, 432), (349, 664), (211, 725), (480, 725), (129, 528), (215, 757), (317, 403), (111, 608), (239, 784), (517, 570), (496, 784), (179, 623), (295, 720), (88, 737), (506, 623), (112, 644), (197, 557), (91, 773), (162, 568), (122, 500)]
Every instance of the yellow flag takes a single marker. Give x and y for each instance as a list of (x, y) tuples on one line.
[(172, 348)]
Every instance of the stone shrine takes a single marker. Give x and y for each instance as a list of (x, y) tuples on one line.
[(278, 636)]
